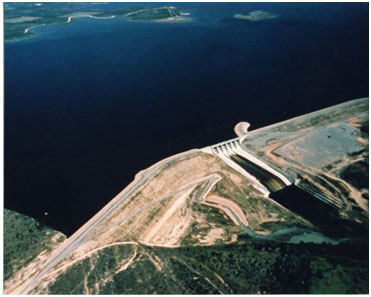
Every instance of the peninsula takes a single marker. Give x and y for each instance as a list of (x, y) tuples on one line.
[(22, 18)]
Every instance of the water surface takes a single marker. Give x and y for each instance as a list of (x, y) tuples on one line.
[(88, 105)]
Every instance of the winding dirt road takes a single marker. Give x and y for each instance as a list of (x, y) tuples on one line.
[(81, 236), (72, 243)]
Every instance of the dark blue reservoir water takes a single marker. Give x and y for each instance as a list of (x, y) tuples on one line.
[(90, 104)]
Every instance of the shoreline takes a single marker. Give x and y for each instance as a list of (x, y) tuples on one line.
[(69, 19), (178, 19), (32, 27)]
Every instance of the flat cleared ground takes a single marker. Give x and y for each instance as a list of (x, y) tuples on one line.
[(317, 148)]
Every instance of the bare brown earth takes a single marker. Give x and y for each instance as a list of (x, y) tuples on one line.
[(229, 207), (168, 211)]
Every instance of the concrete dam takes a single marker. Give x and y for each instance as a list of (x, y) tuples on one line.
[(262, 176)]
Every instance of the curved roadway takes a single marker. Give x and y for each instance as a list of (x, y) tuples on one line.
[(77, 238)]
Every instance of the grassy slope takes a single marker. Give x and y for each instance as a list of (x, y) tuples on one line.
[(24, 239), (251, 266)]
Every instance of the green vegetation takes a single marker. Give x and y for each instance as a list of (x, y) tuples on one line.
[(46, 13), (24, 239), (154, 14), (249, 267), (141, 277), (215, 218), (329, 277), (20, 16), (198, 190), (98, 268)]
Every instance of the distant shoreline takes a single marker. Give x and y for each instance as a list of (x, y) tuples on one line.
[(69, 19), (165, 20), (256, 16), (32, 27), (179, 18)]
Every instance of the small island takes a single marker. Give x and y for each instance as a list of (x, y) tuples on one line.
[(256, 16), (162, 14)]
